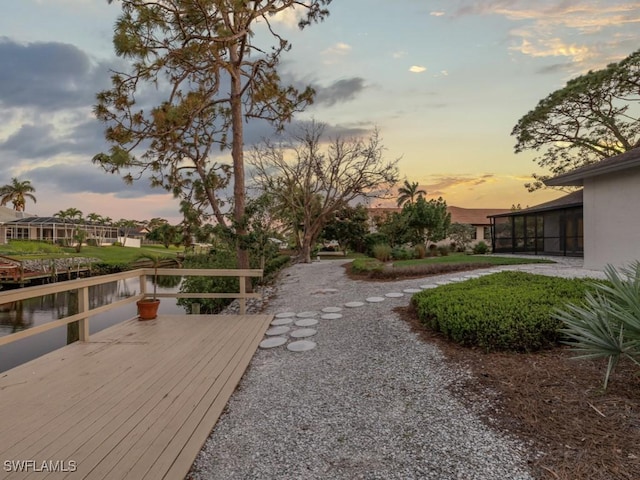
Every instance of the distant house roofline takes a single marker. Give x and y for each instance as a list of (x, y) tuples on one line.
[(574, 199), (624, 161)]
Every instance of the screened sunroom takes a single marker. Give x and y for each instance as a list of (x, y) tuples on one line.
[(552, 228)]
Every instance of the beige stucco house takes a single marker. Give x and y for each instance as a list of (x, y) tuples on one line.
[(611, 199)]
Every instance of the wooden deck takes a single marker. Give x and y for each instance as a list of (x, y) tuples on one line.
[(136, 402)]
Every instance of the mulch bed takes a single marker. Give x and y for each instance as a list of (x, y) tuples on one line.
[(555, 405)]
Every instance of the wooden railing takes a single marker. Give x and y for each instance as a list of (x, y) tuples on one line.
[(82, 285)]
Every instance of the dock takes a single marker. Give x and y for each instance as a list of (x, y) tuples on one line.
[(136, 401)]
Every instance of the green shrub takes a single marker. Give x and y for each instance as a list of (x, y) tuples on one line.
[(382, 252), (366, 265), (505, 311), (443, 250), (373, 239), (607, 324), (221, 260), (103, 268), (274, 265), (399, 253), (419, 251), (480, 248)]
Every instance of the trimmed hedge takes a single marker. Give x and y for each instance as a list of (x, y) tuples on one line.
[(504, 311)]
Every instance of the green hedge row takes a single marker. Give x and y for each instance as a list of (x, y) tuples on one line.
[(504, 311)]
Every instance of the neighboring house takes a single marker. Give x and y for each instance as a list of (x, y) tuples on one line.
[(55, 230), (611, 197), (8, 214), (477, 217), (551, 228)]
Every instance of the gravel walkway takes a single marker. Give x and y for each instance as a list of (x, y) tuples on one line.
[(369, 402)]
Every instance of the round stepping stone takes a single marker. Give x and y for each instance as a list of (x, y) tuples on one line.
[(331, 316), (411, 290), (277, 331), (427, 287), (303, 332), (353, 304), (281, 321), (375, 299), (331, 309), (472, 276), (394, 295), (273, 342), (285, 315), (306, 322), (308, 314), (456, 279), (443, 282), (301, 346)]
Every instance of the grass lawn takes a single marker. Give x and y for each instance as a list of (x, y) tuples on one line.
[(462, 258), (27, 250)]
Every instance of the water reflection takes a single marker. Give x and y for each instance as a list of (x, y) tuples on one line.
[(17, 316)]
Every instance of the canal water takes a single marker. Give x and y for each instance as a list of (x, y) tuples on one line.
[(38, 311)]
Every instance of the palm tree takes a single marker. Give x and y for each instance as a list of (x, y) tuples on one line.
[(409, 192), (17, 192), (68, 214), (98, 226)]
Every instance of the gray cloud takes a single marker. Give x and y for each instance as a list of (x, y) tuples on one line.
[(566, 67), (48, 76), (340, 91), (41, 141), (86, 177)]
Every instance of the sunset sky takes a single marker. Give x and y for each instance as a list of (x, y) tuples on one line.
[(444, 81)]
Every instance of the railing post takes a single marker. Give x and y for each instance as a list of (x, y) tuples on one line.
[(83, 307), (243, 292), (143, 284)]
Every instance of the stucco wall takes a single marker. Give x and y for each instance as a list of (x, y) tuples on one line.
[(612, 219)]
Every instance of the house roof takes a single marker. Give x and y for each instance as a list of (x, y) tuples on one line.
[(472, 216), (624, 161), (8, 214), (48, 220), (574, 199)]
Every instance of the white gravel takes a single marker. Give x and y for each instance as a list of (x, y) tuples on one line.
[(369, 402)]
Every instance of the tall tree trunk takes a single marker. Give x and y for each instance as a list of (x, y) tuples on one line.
[(238, 165)]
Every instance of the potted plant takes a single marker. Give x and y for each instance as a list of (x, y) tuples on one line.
[(148, 307)]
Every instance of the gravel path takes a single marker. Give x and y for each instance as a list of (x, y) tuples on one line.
[(370, 402)]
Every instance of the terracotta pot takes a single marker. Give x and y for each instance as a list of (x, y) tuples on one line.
[(148, 308)]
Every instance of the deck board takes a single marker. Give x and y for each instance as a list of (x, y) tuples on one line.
[(137, 401)]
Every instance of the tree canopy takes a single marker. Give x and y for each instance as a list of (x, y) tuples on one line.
[(428, 221), (17, 192), (197, 74), (595, 116), (310, 183), (408, 193)]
